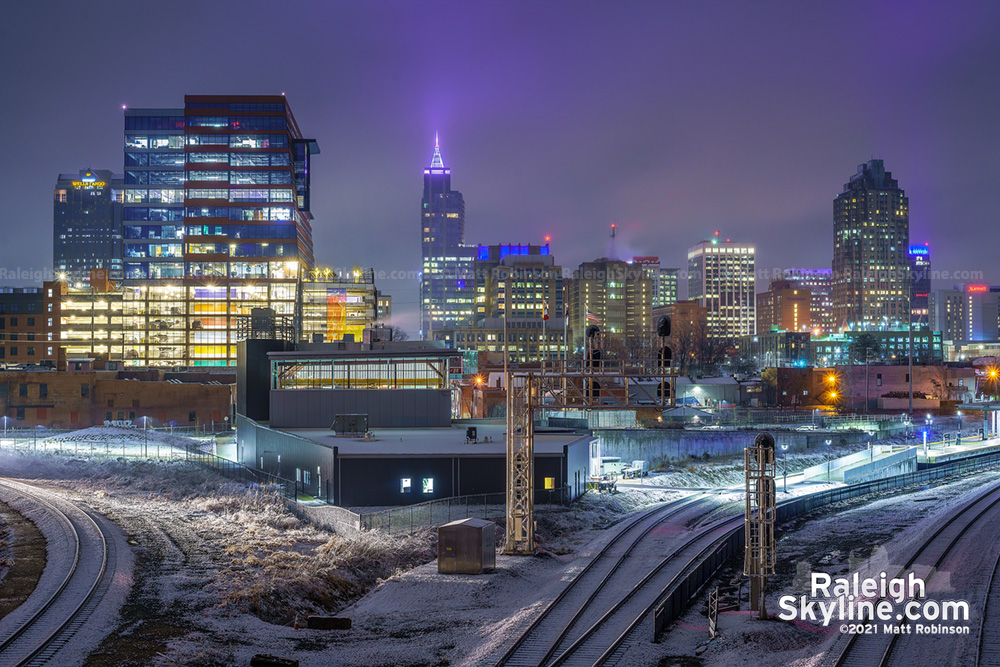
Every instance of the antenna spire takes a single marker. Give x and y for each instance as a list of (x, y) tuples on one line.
[(437, 162)]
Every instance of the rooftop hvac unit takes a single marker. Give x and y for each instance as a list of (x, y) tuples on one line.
[(350, 424)]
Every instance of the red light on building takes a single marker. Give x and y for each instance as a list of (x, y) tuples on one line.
[(977, 288)]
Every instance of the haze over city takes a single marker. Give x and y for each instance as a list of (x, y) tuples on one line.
[(672, 120)]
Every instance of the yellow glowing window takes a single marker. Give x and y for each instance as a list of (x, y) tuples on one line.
[(550, 483)]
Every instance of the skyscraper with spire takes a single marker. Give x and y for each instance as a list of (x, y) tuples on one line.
[(446, 280)]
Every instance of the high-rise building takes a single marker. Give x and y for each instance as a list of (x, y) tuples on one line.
[(819, 282), (446, 279), (969, 312), (920, 285), (337, 308), (615, 295), (721, 277), (667, 293), (664, 280), (871, 237), (518, 289), (784, 307), (216, 222), (87, 224), (518, 282)]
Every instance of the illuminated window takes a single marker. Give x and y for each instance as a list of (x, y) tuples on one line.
[(550, 483), (404, 485), (427, 484)]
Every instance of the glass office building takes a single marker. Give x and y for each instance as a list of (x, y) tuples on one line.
[(215, 222)]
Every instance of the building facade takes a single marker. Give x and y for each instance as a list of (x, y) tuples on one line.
[(819, 282), (613, 294), (87, 224), (446, 278), (969, 312), (776, 348), (784, 307), (721, 276), (29, 325), (871, 238), (835, 349), (920, 285), (216, 220)]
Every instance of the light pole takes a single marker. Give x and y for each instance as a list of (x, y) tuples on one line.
[(784, 466)]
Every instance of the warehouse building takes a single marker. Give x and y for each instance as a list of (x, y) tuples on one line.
[(370, 423)]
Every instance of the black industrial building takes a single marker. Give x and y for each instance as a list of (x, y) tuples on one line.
[(370, 424)]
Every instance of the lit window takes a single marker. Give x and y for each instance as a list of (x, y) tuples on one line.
[(550, 483), (428, 485), (404, 485)]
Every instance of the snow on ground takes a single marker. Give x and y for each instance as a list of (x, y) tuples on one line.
[(864, 535), (119, 440), (223, 570)]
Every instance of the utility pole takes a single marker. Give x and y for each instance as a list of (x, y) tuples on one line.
[(910, 346)]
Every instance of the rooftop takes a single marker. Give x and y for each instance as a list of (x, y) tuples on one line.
[(434, 441)]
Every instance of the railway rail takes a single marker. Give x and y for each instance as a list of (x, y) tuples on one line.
[(867, 650), (79, 555), (597, 588)]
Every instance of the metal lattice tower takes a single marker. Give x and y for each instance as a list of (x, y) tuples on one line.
[(520, 465), (759, 549)]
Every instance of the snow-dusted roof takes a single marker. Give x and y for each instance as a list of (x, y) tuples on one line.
[(433, 441)]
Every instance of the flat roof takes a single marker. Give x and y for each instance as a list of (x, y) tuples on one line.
[(433, 441)]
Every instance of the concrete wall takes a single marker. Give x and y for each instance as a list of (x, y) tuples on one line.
[(661, 445), (386, 408)]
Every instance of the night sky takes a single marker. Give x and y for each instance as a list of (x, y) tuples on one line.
[(558, 118)]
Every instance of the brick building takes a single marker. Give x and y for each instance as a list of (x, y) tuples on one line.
[(88, 397)]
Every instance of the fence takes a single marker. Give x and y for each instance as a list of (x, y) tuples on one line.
[(689, 582), (433, 513)]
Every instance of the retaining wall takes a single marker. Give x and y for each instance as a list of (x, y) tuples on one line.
[(659, 446)]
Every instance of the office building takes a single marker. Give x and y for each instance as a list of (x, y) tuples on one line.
[(871, 238), (667, 292), (29, 325), (383, 308), (779, 349), (216, 221), (664, 279), (721, 278), (615, 295), (819, 282), (835, 349), (920, 285), (446, 279), (336, 308), (784, 307), (969, 312), (87, 224)]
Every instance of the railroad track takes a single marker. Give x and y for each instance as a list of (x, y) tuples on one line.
[(988, 649), (36, 632), (596, 588), (867, 650)]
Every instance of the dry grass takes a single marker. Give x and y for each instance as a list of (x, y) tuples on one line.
[(276, 585)]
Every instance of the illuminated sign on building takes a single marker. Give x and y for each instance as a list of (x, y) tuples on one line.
[(919, 250), (88, 185), (977, 288)]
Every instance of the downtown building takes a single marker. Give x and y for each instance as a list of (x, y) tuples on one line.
[(216, 222), (519, 301), (966, 313), (819, 282), (664, 280), (446, 272), (871, 238), (784, 307), (615, 295), (920, 285), (87, 224), (721, 277)]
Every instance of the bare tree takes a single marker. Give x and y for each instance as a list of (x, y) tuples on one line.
[(399, 333)]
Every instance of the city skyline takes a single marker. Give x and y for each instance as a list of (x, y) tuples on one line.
[(542, 149)]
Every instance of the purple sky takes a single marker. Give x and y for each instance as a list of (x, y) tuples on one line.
[(673, 119)]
